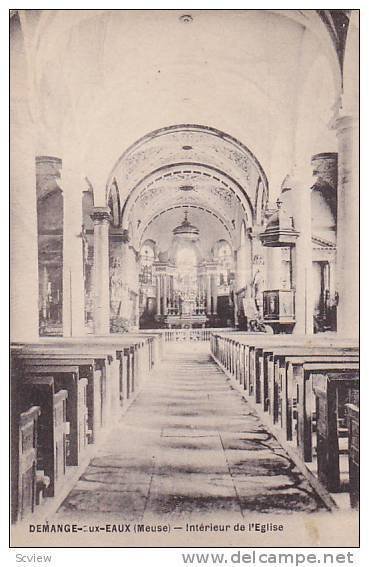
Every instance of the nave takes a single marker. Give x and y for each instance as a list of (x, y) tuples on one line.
[(188, 449)]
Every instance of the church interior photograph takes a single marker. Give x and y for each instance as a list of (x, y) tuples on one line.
[(184, 231)]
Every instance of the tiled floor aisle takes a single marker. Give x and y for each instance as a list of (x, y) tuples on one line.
[(188, 448)]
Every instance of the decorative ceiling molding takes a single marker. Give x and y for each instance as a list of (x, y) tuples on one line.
[(191, 144), (210, 188)]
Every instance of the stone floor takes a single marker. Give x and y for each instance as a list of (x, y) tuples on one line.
[(188, 448)]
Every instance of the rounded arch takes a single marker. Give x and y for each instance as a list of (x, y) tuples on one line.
[(225, 181), (188, 127)]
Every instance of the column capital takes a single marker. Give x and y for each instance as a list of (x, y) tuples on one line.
[(100, 215)]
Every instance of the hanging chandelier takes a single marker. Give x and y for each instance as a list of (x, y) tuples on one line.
[(186, 230)]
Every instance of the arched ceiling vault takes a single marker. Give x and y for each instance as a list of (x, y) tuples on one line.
[(189, 165), (190, 143), (190, 183), (102, 79)]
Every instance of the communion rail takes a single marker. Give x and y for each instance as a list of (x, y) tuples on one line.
[(191, 335)]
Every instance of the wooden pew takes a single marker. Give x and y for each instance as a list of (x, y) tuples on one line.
[(141, 356), (138, 365), (274, 368), (277, 380), (116, 369), (94, 371), (99, 368), (99, 363), (52, 428), (305, 399), (257, 368), (252, 370), (67, 378), (327, 388), (256, 344), (354, 450), (278, 369), (91, 368), (264, 366), (294, 375), (24, 464)]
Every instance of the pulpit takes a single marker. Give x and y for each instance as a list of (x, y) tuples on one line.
[(279, 308)]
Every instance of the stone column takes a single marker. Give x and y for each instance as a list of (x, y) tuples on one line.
[(124, 312), (208, 294), (171, 290), (158, 294), (332, 278), (101, 218), (23, 205), (347, 275), (73, 280), (165, 294), (118, 257), (44, 284), (214, 285), (302, 257), (137, 266)]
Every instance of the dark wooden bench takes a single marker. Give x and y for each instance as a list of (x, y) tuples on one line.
[(95, 367), (354, 453), (291, 372), (277, 372), (52, 427), (327, 388), (274, 367), (24, 464), (115, 366), (66, 377), (135, 353)]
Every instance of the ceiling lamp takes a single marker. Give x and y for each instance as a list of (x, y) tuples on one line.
[(186, 230), (186, 18)]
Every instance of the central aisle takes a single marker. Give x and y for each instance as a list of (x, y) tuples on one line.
[(189, 448)]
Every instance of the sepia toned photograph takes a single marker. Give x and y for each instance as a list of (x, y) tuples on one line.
[(184, 278)]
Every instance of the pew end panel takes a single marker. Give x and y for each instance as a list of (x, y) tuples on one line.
[(353, 418), (24, 465), (328, 388)]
